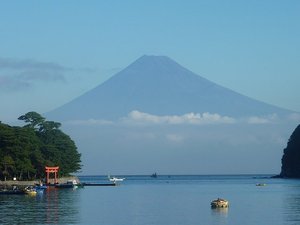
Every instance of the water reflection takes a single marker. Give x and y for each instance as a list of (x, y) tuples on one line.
[(220, 212), (219, 215), (52, 207), (292, 205)]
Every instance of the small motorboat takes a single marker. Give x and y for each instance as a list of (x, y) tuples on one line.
[(30, 190), (115, 179), (219, 203), (40, 186)]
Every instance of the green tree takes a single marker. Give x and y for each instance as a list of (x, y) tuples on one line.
[(8, 165), (25, 151), (33, 119), (60, 150)]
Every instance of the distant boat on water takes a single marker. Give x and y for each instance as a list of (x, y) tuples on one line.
[(115, 179), (154, 175), (261, 184)]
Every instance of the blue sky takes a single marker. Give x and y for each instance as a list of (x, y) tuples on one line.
[(53, 51)]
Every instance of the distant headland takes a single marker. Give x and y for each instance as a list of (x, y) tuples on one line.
[(290, 167)]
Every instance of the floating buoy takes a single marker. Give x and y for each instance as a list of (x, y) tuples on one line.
[(219, 203)]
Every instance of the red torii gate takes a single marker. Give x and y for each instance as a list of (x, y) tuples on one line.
[(49, 170)]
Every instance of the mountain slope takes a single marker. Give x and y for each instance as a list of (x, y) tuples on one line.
[(158, 85)]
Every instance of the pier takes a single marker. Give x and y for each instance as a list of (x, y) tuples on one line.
[(99, 184)]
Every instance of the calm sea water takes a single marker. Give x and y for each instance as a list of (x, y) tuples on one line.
[(166, 200)]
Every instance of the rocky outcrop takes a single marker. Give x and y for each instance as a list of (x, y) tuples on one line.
[(291, 158)]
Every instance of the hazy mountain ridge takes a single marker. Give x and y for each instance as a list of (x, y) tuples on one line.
[(160, 86)]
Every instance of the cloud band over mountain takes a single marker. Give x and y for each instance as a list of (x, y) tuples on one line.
[(136, 117), (189, 118)]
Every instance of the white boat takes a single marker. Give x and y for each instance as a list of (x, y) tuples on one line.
[(115, 179), (68, 184)]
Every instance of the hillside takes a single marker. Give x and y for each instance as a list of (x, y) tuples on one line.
[(25, 151)]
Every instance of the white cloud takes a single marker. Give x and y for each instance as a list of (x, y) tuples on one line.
[(262, 120), (189, 118), (141, 118)]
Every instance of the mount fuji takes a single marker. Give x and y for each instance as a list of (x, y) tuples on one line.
[(158, 85)]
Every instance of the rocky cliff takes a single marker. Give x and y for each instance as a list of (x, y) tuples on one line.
[(291, 158)]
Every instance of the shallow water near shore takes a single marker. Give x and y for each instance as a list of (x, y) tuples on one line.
[(165, 200)]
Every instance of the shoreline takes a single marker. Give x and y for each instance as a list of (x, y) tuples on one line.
[(32, 183)]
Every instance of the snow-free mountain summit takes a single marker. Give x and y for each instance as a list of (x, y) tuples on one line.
[(160, 86)]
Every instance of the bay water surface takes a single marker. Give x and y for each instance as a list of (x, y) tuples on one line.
[(165, 200)]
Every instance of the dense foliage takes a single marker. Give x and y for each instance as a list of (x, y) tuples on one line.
[(25, 151), (291, 157)]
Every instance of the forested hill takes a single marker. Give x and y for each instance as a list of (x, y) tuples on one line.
[(25, 151), (291, 158)]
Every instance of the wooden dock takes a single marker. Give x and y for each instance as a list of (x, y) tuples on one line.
[(98, 184)]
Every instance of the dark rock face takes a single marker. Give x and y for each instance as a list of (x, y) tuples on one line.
[(291, 158)]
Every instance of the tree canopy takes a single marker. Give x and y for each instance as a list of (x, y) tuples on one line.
[(25, 151)]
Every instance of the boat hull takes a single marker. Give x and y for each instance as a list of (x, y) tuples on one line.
[(12, 192)]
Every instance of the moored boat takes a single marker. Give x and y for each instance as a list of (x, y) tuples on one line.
[(115, 179), (154, 175), (30, 190), (219, 203), (68, 184), (40, 187), (261, 184)]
